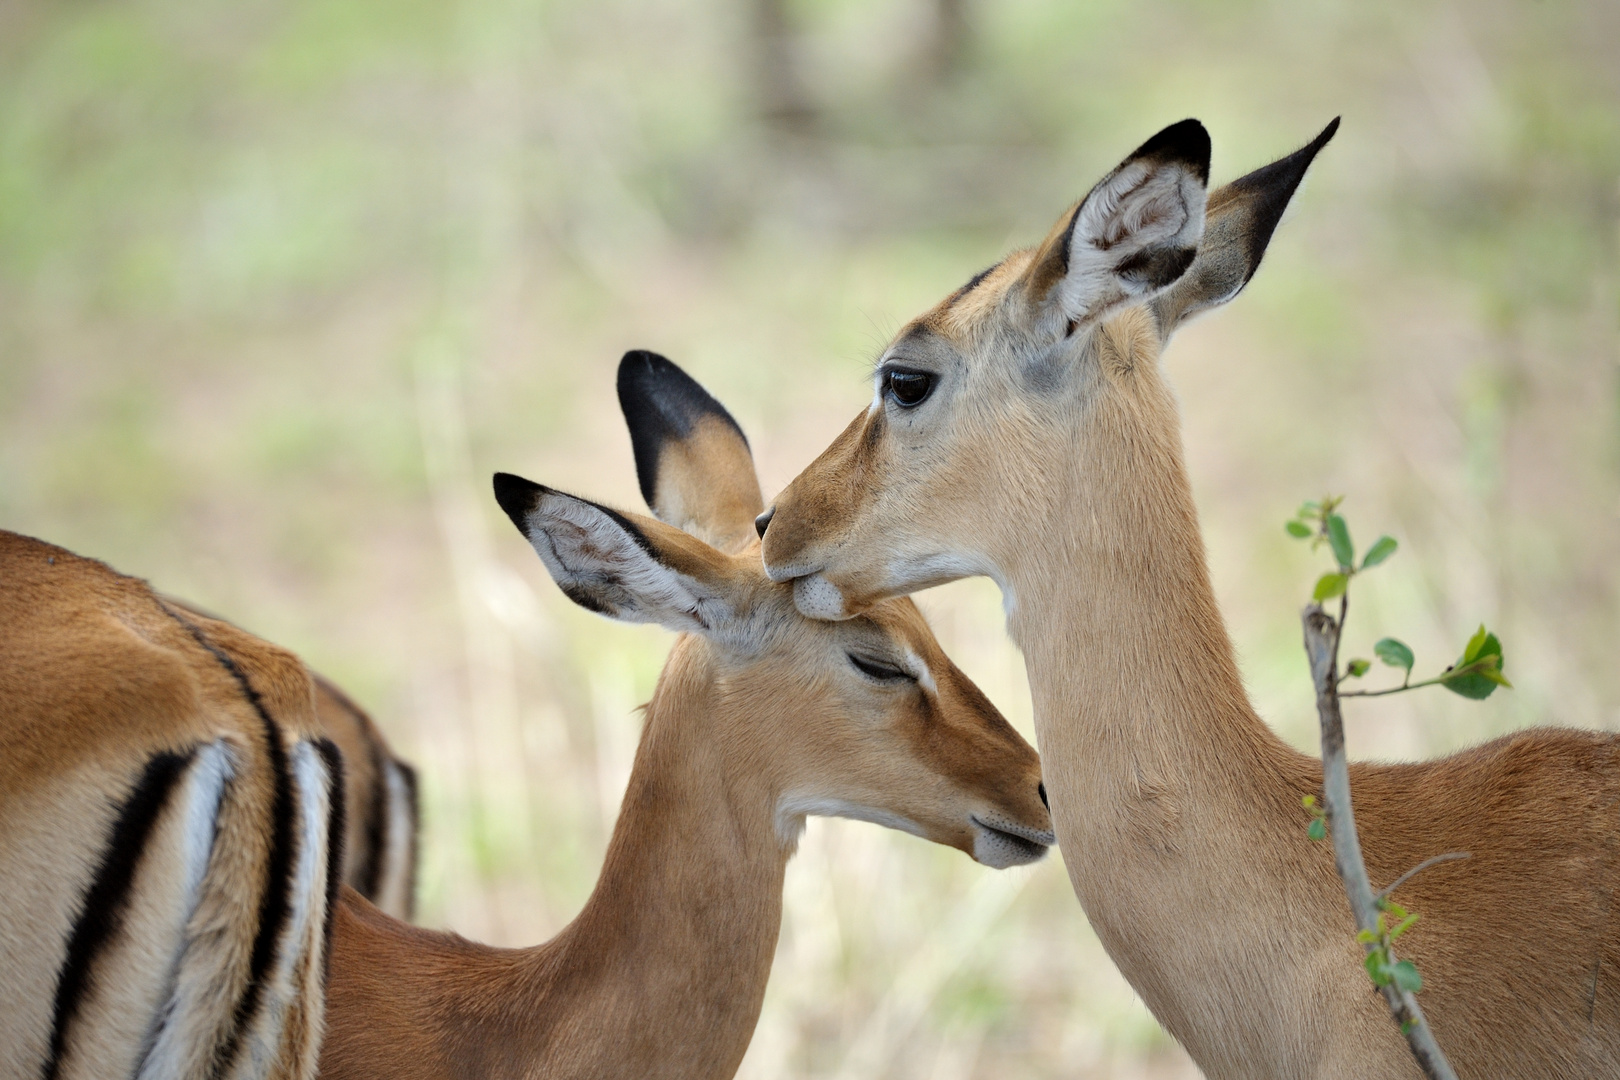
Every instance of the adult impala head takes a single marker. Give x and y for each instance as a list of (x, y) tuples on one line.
[(866, 719), (982, 406)]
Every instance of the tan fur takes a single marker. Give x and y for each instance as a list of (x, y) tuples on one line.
[(99, 678), (1056, 465), (752, 726), (379, 864), (707, 479)]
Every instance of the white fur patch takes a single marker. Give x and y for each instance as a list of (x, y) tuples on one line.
[(818, 598), (398, 871), (908, 574), (925, 677), (187, 1022), (792, 807), (999, 842)]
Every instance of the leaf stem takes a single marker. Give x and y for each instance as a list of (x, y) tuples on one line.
[(1393, 689)]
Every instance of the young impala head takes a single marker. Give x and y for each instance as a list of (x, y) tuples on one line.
[(865, 719), (982, 404)]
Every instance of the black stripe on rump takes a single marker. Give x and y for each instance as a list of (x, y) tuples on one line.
[(334, 843), (369, 860), (371, 868), (102, 916), (274, 904)]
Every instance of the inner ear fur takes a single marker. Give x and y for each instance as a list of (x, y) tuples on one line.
[(1239, 221), (624, 566), (692, 459), (1136, 232)]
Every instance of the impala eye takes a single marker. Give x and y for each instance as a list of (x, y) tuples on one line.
[(908, 388), (879, 670)]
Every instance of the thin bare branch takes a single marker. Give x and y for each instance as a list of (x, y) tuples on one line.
[(1322, 647)]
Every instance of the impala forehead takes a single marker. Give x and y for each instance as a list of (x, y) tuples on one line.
[(964, 311), (925, 345), (892, 629)]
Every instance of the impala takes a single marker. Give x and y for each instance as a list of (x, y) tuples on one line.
[(761, 716), (1022, 429), (381, 818), (170, 821)]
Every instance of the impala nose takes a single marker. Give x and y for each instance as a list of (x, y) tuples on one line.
[(763, 522)]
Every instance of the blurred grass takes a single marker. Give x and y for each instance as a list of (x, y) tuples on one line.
[(281, 284)]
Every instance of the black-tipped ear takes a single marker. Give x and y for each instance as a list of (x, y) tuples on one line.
[(692, 459), (1239, 221), (517, 497), (1184, 143), (633, 570), (1134, 234)]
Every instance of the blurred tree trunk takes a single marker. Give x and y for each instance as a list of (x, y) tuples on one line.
[(950, 32), (779, 87)]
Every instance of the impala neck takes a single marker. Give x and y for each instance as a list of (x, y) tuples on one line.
[(663, 972), (1163, 780), (682, 925)]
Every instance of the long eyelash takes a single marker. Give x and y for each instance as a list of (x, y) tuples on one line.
[(878, 670)]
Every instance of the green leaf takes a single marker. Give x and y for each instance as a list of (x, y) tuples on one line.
[(1308, 802), (1382, 549), (1298, 529), (1485, 651), (1330, 585), (1377, 965), (1403, 926), (1406, 976), (1339, 537), (1366, 937), (1357, 668), (1318, 829), (1309, 509), (1394, 652)]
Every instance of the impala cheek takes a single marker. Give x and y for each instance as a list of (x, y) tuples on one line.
[(818, 598)]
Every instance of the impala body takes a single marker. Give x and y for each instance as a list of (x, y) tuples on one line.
[(1022, 429), (172, 797), (761, 717)]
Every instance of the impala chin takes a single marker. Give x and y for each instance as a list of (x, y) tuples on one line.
[(1006, 843), (818, 598)]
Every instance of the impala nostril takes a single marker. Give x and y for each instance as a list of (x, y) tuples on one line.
[(763, 522), (1040, 789)]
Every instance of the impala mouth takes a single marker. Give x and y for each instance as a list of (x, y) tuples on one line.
[(784, 571), (1007, 843)]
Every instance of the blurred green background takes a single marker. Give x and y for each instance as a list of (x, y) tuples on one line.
[(281, 284)]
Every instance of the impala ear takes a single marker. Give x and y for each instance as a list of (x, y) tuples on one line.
[(1239, 221), (692, 459), (1133, 235), (623, 566)]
